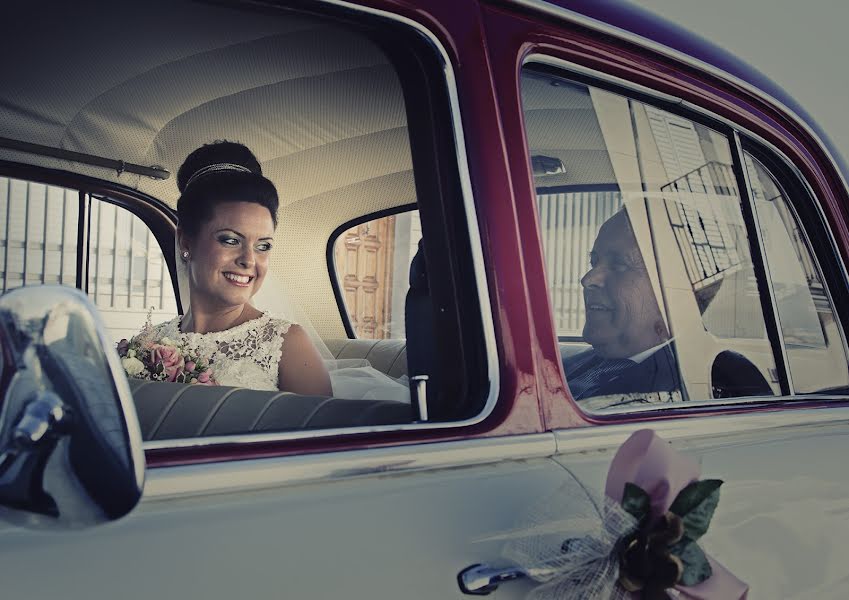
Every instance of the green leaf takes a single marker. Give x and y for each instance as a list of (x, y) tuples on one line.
[(635, 501), (695, 505), (696, 565)]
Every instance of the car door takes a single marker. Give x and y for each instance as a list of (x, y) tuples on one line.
[(367, 511), (741, 269)]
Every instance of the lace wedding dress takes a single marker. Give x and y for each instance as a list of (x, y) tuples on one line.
[(246, 355)]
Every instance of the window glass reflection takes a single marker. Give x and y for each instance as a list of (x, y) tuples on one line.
[(813, 342), (650, 276)]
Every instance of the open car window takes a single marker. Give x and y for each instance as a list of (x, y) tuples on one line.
[(656, 284), (128, 278), (371, 262), (322, 98)]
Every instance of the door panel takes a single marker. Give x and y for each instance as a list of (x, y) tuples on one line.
[(390, 536), (782, 524)]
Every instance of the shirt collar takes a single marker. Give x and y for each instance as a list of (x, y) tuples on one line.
[(641, 356)]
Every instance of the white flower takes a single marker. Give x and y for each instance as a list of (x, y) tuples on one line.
[(132, 366), (167, 341), (131, 353)]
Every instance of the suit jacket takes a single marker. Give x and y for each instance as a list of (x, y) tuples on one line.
[(657, 373)]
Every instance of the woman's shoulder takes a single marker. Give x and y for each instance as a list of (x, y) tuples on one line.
[(276, 326)]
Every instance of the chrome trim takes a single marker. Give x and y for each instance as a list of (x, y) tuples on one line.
[(773, 301), (482, 579), (255, 474), (477, 261), (574, 441), (835, 250), (565, 14), (666, 408)]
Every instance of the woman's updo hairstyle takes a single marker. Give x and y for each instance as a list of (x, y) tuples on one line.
[(220, 172)]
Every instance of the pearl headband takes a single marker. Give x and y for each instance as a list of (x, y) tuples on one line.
[(217, 168)]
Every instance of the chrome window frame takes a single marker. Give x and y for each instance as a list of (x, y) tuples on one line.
[(481, 284), (823, 223), (736, 147)]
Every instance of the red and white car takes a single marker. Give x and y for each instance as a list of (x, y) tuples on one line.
[(502, 134)]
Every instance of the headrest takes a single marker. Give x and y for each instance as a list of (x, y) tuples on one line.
[(418, 271)]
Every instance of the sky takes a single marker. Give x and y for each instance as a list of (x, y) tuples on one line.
[(802, 45)]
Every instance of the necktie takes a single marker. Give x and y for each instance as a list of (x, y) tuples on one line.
[(588, 382)]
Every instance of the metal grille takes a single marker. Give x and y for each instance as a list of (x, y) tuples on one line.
[(39, 229), (126, 266), (709, 233), (128, 275)]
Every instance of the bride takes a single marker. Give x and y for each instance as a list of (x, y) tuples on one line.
[(227, 215)]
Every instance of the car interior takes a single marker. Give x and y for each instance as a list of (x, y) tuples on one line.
[(323, 103)]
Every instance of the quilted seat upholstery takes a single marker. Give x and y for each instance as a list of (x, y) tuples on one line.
[(176, 411), (388, 356)]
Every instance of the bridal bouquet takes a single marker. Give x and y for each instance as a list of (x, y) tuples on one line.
[(144, 357)]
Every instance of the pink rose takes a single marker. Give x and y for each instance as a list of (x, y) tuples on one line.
[(171, 359), (204, 378), (190, 366)]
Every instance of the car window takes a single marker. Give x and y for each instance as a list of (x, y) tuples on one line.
[(128, 278), (127, 275), (322, 99), (654, 290), (811, 332), (371, 261)]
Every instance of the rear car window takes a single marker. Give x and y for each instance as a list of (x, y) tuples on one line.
[(660, 290), (371, 261)]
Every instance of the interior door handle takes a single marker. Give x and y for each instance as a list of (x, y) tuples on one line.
[(481, 579)]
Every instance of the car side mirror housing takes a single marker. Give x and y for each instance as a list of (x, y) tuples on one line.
[(70, 444)]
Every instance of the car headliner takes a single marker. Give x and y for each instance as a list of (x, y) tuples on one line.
[(319, 105)]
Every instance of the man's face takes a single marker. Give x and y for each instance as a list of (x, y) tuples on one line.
[(623, 317)]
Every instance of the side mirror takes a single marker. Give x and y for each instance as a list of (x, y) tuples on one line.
[(70, 443)]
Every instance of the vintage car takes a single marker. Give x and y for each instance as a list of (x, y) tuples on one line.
[(445, 170)]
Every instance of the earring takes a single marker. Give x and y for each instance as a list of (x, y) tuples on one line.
[(185, 255)]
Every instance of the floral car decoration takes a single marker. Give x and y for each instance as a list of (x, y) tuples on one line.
[(638, 540)]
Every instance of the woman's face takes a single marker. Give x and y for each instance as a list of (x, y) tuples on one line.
[(228, 257)]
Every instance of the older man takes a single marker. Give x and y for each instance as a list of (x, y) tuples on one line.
[(631, 348)]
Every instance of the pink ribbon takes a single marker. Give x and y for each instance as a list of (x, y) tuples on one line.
[(649, 462)]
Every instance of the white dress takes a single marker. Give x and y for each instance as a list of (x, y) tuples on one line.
[(246, 355)]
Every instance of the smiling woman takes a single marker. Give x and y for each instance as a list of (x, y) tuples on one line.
[(227, 216)]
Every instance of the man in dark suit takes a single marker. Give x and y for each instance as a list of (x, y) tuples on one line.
[(631, 348)]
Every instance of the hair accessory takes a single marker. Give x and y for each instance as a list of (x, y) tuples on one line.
[(217, 168), (185, 255)]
